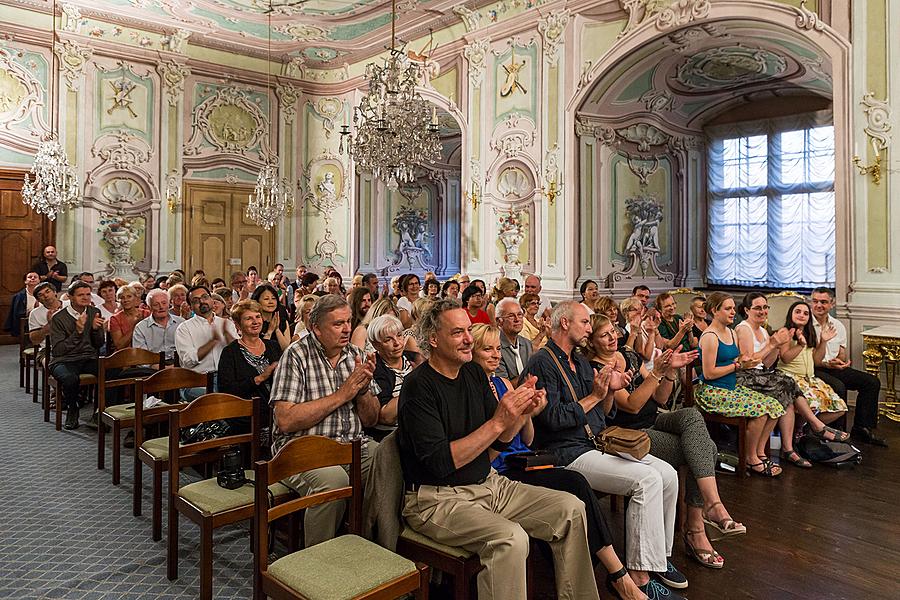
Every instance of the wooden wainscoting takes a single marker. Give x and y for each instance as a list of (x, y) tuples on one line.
[(218, 237), (23, 235)]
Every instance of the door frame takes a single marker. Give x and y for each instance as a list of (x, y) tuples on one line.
[(189, 186)]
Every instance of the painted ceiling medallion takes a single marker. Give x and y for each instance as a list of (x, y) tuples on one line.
[(304, 32), (729, 66)]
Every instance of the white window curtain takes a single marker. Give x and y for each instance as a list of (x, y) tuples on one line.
[(771, 202)]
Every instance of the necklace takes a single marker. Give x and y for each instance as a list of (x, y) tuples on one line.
[(256, 346)]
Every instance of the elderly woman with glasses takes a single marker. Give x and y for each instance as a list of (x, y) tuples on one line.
[(535, 329), (392, 365)]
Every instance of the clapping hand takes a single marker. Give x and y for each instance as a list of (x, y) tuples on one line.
[(359, 379), (514, 405), (748, 362), (782, 336), (98, 321), (682, 359), (837, 363), (80, 322), (540, 396), (687, 322), (828, 332), (798, 335)]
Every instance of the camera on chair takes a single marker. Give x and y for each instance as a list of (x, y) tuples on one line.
[(231, 469)]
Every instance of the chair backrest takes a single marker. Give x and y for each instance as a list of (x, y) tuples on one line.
[(123, 359), (24, 341), (683, 297), (778, 307), (167, 382), (208, 407), (297, 456)]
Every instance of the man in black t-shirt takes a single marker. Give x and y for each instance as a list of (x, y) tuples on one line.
[(50, 269), (450, 427)]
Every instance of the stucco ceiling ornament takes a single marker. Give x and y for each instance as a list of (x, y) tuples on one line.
[(681, 143), (21, 95), (176, 41), (687, 39), (552, 29), (72, 58), (681, 12), (728, 66), (807, 19), (231, 122), (172, 76), (287, 99), (658, 101), (72, 21), (304, 32), (476, 54), (644, 136), (878, 121), (470, 18)]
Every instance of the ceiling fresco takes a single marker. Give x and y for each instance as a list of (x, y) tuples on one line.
[(690, 75), (323, 33)]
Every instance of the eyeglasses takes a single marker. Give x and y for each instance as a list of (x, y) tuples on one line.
[(764, 307), (514, 316), (534, 303)]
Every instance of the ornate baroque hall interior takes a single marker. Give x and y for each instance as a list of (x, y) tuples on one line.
[(690, 145)]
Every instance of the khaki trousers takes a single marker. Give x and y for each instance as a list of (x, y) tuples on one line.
[(322, 522), (494, 519)]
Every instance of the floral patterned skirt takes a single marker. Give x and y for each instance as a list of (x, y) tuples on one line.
[(820, 396), (739, 402), (771, 383)]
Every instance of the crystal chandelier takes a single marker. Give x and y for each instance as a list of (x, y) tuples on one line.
[(396, 129), (55, 185), (273, 198)]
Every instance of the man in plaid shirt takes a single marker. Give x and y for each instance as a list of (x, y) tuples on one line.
[(321, 387)]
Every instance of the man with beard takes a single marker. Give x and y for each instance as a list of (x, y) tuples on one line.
[(200, 339)]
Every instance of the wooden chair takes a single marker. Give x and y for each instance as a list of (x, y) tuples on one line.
[(205, 502), (778, 307), (347, 566), (88, 384), (460, 564), (155, 452), (27, 356), (120, 415), (683, 298)]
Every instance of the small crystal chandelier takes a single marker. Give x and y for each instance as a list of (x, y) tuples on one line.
[(55, 185), (396, 129), (273, 198)]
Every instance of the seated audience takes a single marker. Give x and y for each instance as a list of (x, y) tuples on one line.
[(370, 282), (321, 387), (239, 288), (797, 359), (640, 334), (219, 305), (360, 303), (700, 318), (22, 302), (304, 306), (642, 293), (409, 292), (200, 339), (450, 289), (463, 281), (534, 326), (473, 302), (578, 402), (432, 289), (835, 370), (253, 279), (755, 342), (392, 365), (675, 329), (515, 349), (76, 336), (219, 286), (276, 323), (450, 427), (121, 325), (590, 293), (607, 306), (49, 268), (678, 437), (156, 333), (486, 352), (533, 286), (246, 364), (719, 393)]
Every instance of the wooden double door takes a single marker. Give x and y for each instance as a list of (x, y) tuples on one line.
[(218, 236), (23, 235)]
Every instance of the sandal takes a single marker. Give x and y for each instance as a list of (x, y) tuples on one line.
[(706, 558), (768, 469), (837, 435), (727, 527), (795, 459)]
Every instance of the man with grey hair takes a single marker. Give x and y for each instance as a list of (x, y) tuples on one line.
[(533, 286), (156, 333), (578, 401), (321, 387), (451, 426), (515, 350), (392, 365)]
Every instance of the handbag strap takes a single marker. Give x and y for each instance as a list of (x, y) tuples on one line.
[(559, 367)]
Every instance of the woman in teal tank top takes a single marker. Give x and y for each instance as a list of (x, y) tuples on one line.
[(719, 393)]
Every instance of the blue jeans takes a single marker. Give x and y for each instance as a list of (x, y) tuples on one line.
[(191, 394), (66, 373)]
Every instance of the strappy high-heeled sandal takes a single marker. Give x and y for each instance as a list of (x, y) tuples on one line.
[(704, 557), (768, 469), (727, 527)]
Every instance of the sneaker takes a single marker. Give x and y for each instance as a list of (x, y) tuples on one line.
[(672, 577), (654, 590), (71, 419)]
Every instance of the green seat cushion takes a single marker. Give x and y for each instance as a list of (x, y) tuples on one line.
[(414, 536), (87, 378), (124, 411), (339, 569), (158, 448), (28, 351), (210, 498)]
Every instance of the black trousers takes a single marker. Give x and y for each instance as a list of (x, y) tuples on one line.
[(867, 386), (574, 483)]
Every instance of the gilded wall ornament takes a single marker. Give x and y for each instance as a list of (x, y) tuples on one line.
[(121, 151), (231, 122), (72, 58), (552, 29), (476, 54), (121, 95), (172, 76), (878, 121)]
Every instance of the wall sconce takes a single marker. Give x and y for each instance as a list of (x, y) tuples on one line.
[(173, 196), (473, 197), (551, 190), (874, 169)]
